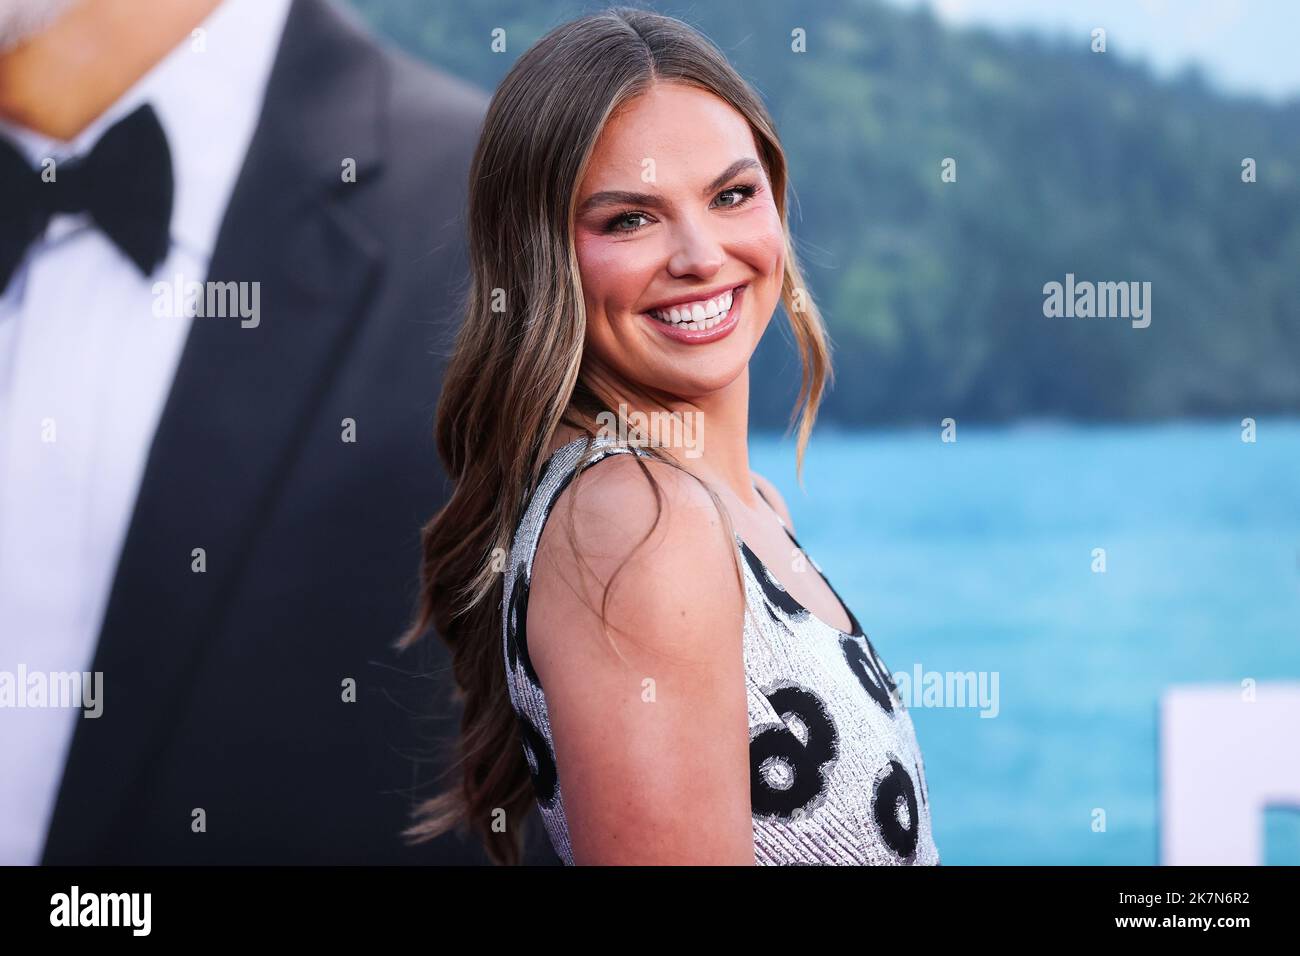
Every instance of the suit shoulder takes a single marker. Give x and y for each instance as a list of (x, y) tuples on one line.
[(423, 92)]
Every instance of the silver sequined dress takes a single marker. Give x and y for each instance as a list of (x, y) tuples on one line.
[(836, 775)]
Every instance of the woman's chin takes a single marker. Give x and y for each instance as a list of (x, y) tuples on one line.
[(694, 388)]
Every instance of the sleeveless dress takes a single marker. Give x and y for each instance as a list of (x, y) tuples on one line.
[(836, 774)]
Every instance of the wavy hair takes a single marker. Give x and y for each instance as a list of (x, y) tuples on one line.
[(516, 373)]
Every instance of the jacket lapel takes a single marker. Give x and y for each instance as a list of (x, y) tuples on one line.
[(237, 408)]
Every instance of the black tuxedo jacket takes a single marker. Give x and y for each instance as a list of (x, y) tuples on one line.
[(224, 691)]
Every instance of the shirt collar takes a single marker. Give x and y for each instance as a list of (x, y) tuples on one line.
[(208, 95)]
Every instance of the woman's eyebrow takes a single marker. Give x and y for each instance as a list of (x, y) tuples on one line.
[(620, 197)]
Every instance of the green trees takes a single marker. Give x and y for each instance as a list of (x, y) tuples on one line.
[(1063, 161)]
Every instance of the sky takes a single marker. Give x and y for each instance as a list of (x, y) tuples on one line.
[(1243, 46)]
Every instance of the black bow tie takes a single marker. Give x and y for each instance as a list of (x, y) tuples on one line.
[(125, 183)]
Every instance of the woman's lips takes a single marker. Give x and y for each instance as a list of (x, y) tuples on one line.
[(721, 330)]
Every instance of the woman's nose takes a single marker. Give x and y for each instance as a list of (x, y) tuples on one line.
[(698, 252)]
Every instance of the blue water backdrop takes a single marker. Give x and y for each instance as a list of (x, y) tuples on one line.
[(978, 555)]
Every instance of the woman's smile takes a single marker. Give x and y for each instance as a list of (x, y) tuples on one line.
[(699, 321)]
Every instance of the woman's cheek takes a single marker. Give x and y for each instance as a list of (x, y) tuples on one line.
[(762, 249), (756, 237), (614, 271), (595, 256), (773, 241)]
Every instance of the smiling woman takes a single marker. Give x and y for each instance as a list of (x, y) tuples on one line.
[(629, 245)]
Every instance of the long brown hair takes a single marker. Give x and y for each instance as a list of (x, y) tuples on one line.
[(517, 369)]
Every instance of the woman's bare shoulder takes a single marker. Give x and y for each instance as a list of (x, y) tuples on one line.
[(658, 719), (674, 543)]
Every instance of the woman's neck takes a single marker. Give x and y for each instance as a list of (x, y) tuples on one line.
[(708, 436)]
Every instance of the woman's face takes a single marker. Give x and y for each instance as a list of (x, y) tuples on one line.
[(675, 208)]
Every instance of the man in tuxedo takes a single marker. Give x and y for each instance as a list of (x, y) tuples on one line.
[(231, 256)]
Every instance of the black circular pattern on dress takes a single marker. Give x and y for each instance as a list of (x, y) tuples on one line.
[(803, 760), (541, 763), (896, 786), (517, 626), (870, 671)]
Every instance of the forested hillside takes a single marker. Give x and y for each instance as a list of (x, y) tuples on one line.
[(1067, 161)]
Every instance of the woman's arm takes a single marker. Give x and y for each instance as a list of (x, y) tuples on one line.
[(652, 754)]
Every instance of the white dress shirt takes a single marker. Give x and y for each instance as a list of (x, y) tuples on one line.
[(85, 369)]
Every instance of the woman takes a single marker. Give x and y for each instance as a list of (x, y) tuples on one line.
[(707, 700)]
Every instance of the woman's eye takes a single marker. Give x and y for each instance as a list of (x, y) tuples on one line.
[(615, 225), (743, 195), (625, 223)]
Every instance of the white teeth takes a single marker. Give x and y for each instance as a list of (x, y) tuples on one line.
[(702, 326), (697, 316)]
